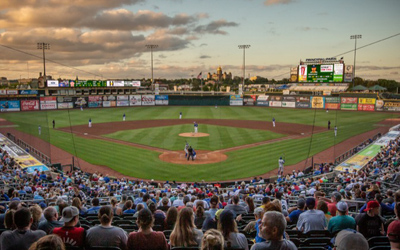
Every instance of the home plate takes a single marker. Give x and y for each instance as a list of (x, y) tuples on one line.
[(85, 133), (302, 133)]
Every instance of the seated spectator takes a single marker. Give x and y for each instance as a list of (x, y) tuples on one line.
[(129, 208), (145, 238), (311, 219), (393, 231), (350, 239), (115, 208), (294, 215), (23, 237), (385, 209), (69, 233), (48, 242), (199, 217), (253, 225), (106, 234), (95, 207), (212, 240), (214, 201), (139, 207), (272, 229), (158, 215), (323, 206), (370, 224), (76, 202), (249, 204), (227, 226), (51, 216), (335, 198), (9, 220), (235, 207), (170, 218), (164, 204), (36, 212), (185, 233), (341, 220)]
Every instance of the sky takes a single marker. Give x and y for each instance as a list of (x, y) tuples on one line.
[(106, 39)]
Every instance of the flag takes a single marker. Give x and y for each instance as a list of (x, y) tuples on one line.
[(199, 76)]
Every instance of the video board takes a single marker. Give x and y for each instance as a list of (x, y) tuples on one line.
[(321, 73)]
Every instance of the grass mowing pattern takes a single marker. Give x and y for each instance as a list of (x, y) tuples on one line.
[(248, 162), (220, 136)]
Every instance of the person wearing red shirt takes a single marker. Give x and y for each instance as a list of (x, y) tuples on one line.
[(71, 235)]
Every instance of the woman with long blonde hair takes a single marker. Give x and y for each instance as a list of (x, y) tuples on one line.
[(185, 233), (212, 240)]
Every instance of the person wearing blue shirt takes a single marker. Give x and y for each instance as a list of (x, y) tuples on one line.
[(385, 209), (95, 207), (294, 215)]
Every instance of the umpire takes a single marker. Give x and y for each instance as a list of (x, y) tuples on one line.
[(190, 153)]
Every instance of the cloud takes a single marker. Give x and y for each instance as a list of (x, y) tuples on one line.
[(375, 67), (394, 73), (203, 45), (204, 57), (276, 2), (311, 28), (214, 27)]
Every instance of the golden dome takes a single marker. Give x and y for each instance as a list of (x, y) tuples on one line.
[(219, 69)]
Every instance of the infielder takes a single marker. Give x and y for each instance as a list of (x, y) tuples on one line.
[(335, 131), (273, 122), (123, 117), (281, 163), (90, 122), (186, 149), (180, 115), (195, 127)]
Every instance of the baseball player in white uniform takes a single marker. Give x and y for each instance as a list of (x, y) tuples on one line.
[(90, 122), (180, 115), (281, 165), (273, 122), (335, 131), (195, 127), (40, 130)]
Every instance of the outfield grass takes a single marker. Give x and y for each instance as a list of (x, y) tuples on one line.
[(220, 136), (143, 163)]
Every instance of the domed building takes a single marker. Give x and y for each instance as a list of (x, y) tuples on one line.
[(219, 76)]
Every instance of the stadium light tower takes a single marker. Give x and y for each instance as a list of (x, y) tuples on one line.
[(151, 47), (244, 47), (355, 37), (43, 46)]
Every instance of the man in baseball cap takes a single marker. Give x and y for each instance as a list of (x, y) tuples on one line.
[(69, 233), (350, 239), (393, 231), (370, 224), (341, 220)]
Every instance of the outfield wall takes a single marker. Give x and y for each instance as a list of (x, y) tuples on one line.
[(30, 101)]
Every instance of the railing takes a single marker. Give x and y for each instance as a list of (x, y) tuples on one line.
[(32, 150)]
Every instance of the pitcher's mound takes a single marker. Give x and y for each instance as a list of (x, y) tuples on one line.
[(203, 157), (194, 134)]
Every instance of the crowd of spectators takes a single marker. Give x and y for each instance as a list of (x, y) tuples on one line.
[(87, 210)]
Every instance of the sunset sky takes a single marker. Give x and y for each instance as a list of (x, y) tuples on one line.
[(107, 37)]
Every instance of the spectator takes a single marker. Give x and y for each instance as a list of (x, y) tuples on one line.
[(48, 242), (311, 219), (145, 238), (393, 231), (115, 208), (51, 216), (294, 215), (272, 230), (384, 209), (170, 218), (227, 226), (323, 206), (335, 198), (249, 204), (76, 202), (129, 209), (350, 239), (23, 237), (265, 201), (341, 220), (370, 224), (9, 220), (185, 233), (164, 204), (105, 234), (95, 207), (139, 207), (69, 233), (199, 217), (36, 212), (212, 240), (235, 207)]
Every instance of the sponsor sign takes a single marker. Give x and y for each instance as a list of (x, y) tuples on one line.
[(28, 92), (262, 103), (361, 159), (135, 100), (132, 83), (22, 158), (302, 104), (65, 99), (367, 101), (302, 99), (3, 92), (148, 100), (95, 98), (348, 106), (49, 102), (12, 92), (332, 105), (236, 100), (122, 98), (52, 83), (327, 92), (122, 103), (366, 107), (348, 100), (115, 83), (276, 98), (289, 98), (81, 102), (95, 101), (321, 73), (65, 105), (262, 100), (332, 100), (64, 83), (288, 104), (348, 75), (248, 101), (10, 106), (317, 102), (379, 105), (275, 103), (286, 92), (161, 99), (391, 106), (108, 104), (29, 105), (303, 73)]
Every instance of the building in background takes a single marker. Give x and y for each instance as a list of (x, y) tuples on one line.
[(219, 76)]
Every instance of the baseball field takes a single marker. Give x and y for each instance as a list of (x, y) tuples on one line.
[(241, 141)]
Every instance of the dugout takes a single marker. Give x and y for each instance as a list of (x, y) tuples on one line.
[(180, 100)]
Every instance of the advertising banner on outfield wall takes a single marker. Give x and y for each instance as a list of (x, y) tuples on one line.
[(367, 101), (275, 103), (29, 105), (332, 105), (235, 100), (391, 106), (28, 92), (348, 103), (122, 97), (95, 101), (108, 104), (275, 98), (135, 100), (61, 99), (304, 105), (288, 104), (10, 106), (81, 102), (332, 100), (65, 105), (122, 103), (49, 102), (366, 107), (289, 98), (248, 101), (263, 100), (161, 99), (317, 102), (12, 92), (148, 100)]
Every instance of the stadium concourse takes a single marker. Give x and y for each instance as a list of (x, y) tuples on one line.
[(78, 210)]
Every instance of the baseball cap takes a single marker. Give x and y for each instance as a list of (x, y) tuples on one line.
[(342, 206), (371, 205), (69, 213), (393, 231), (350, 239), (301, 203)]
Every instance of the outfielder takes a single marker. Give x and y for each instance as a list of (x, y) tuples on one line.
[(123, 117), (195, 127), (40, 130), (335, 131), (180, 115), (90, 122), (281, 165), (273, 122)]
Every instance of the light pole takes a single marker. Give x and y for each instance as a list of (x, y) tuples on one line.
[(355, 37), (151, 47), (244, 47), (43, 46)]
